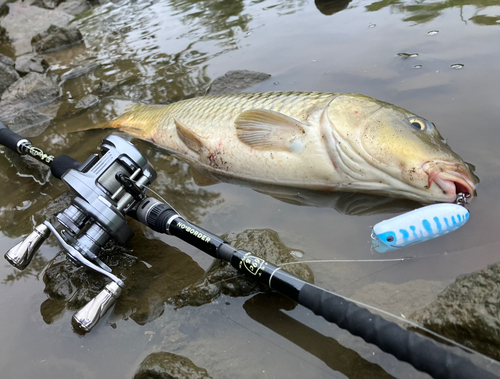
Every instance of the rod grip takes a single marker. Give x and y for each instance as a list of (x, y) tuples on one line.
[(8, 138), (420, 352), (63, 163)]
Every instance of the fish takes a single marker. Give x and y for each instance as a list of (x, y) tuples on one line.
[(311, 140)]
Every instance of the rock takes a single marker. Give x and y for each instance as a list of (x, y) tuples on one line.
[(79, 71), (56, 38), (105, 87), (169, 366), (88, 101), (468, 311), (3, 34), (235, 81), (24, 21), (6, 60), (8, 76), (29, 91), (34, 88), (49, 4), (29, 123), (222, 278), (74, 7), (31, 63)]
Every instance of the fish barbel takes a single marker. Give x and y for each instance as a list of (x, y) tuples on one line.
[(321, 141)]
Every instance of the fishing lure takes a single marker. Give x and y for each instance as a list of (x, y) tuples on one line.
[(419, 225)]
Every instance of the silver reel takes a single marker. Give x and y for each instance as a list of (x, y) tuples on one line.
[(104, 190)]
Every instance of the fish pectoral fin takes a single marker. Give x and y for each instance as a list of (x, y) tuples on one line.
[(192, 140), (263, 129)]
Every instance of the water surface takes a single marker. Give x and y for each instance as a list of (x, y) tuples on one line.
[(402, 52)]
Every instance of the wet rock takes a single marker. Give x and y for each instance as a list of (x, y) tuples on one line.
[(49, 4), (468, 311), (24, 21), (105, 87), (79, 71), (222, 278), (169, 366), (31, 63), (27, 92), (8, 76), (3, 34), (87, 101), (56, 38), (74, 7), (4, 8), (6, 60), (235, 81), (29, 123), (34, 88)]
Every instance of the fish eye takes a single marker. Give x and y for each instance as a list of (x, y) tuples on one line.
[(418, 124), (390, 239)]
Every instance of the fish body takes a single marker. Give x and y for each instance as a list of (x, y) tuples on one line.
[(417, 226), (313, 140)]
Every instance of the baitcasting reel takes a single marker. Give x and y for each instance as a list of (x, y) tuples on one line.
[(104, 190)]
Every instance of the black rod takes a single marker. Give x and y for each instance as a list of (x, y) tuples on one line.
[(422, 353), (20, 145)]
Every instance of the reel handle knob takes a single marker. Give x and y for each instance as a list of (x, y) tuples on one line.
[(20, 256), (87, 317)]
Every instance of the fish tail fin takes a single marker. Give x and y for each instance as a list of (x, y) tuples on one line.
[(139, 121)]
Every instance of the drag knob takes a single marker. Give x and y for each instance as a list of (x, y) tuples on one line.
[(20, 256)]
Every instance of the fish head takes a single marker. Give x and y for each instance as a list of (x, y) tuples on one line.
[(384, 147)]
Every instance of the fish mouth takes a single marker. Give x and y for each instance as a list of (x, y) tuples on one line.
[(452, 179)]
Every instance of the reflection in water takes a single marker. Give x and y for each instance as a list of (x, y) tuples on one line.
[(36, 266), (156, 273), (267, 308), (329, 7), (221, 19), (422, 12)]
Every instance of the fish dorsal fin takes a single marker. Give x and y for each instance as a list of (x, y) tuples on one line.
[(192, 140), (263, 129)]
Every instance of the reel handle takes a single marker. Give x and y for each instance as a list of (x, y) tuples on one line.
[(87, 317), (20, 256)]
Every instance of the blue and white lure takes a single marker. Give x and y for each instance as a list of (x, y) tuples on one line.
[(419, 225)]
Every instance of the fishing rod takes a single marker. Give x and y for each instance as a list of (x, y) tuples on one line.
[(107, 188)]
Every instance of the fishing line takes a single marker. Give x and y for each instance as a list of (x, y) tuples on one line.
[(348, 261), (156, 193)]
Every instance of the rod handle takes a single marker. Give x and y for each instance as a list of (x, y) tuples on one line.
[(87, 317), (10, 139)]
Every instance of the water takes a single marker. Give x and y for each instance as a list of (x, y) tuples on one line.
[(165, 51)]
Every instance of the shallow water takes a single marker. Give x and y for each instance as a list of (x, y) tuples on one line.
[(437, 59)]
